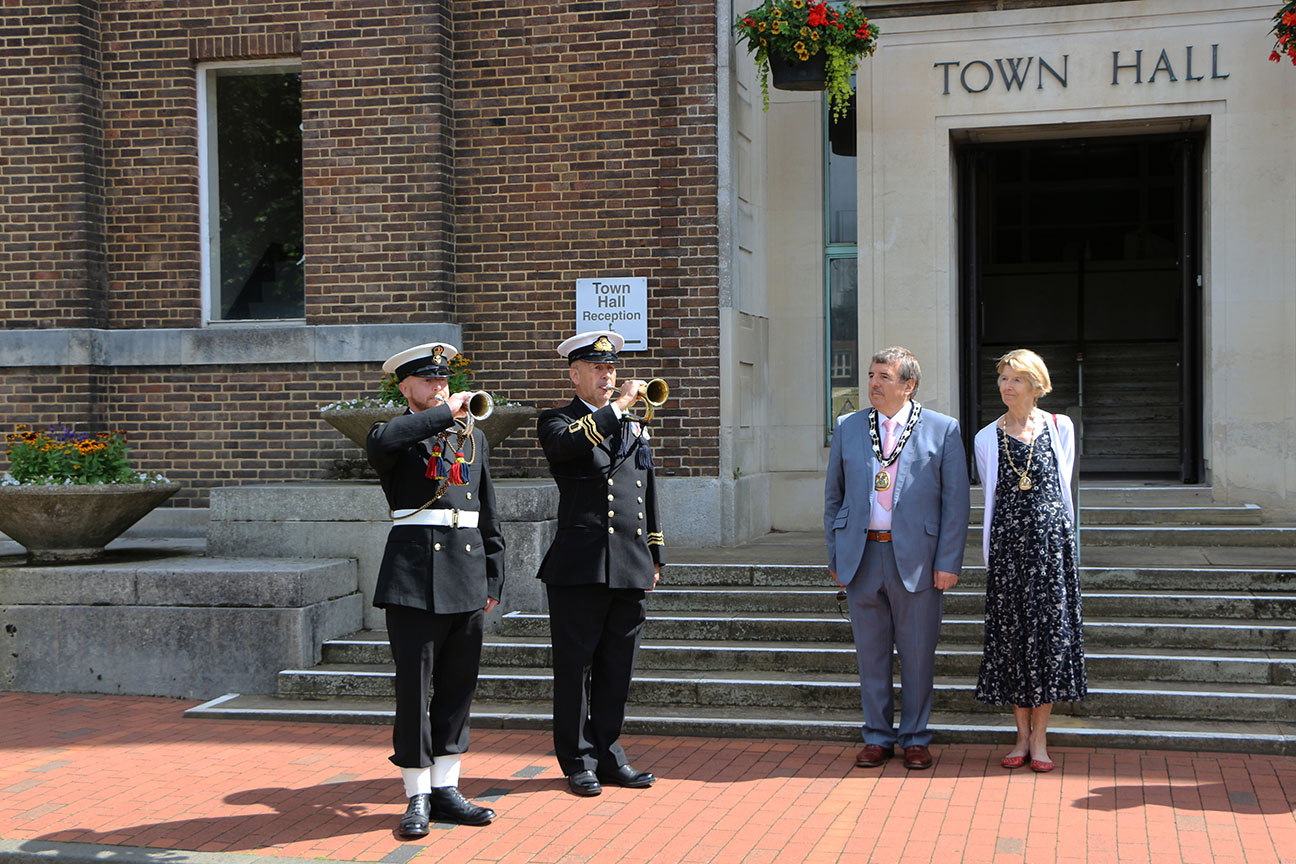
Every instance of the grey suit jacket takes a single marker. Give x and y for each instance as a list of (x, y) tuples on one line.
[(930, 506)]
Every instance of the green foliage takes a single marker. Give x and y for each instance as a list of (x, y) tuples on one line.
[(65, 457), (389, 391), (460, 373)]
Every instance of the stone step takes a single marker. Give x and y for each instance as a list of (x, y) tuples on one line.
[(1168, 516), (1239, 667), (965, 601), (829, 691), (1265, 737), (1178, 535), (955, 630), (1153, 495), (1161, 465), (1167, 579)]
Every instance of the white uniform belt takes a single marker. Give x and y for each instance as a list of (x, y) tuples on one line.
[(436, 516)]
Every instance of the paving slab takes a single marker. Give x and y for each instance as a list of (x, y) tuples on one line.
[(126, 779)]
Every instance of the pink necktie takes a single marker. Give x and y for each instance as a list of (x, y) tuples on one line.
[(884, 496)]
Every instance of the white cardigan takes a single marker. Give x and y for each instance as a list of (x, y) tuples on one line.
[(986, 448)]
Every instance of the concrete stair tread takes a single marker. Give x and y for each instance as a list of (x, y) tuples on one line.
[(1271, 737), (790, 557), (1116, 621), (847, 648), (821, 679), (831, 591), (810, 617)]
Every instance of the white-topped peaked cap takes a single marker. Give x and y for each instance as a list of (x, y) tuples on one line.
[(431, 360), (594, 346)]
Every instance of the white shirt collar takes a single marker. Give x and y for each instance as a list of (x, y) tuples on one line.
[(901, 417), (616, 409)]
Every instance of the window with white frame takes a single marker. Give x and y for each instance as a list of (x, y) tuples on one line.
[(250, 165)]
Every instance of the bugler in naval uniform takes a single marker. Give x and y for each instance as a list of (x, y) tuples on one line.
[(442, 570), (606, 554)]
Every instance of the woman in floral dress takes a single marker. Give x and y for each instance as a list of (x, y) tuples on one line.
[(1034, 638)]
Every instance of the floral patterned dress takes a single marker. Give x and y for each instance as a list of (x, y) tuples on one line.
[(1034, 640)]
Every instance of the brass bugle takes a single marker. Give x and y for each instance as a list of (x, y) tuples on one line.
[(654, 393), (480, 405)]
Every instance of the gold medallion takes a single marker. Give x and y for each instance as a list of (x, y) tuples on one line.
[(1025, 484), (882, 481)]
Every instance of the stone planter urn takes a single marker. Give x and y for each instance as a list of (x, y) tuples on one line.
[(355, 423), (503, 421), (76, 522)]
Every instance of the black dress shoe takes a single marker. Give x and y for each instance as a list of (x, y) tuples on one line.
[(624, 775), (415, 821), (450, 806), (584, 783)]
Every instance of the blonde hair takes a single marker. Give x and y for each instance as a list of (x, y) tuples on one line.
[(1031, 365)]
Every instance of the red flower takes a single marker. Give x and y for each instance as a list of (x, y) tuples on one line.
[(1289, 19), (818, 15)]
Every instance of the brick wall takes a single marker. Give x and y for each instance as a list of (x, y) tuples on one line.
[(51, 166), (586, 146), (462, 162)]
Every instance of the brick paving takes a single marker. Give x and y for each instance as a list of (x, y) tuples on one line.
[(130, 772)]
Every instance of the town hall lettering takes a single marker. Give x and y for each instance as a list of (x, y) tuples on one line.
[(1035, 72)]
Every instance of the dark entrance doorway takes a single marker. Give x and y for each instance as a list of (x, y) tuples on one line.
[(1086, 251)]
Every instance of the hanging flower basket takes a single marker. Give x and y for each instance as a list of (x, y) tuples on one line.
[(799, 74), (796, 33), (1284, 31)]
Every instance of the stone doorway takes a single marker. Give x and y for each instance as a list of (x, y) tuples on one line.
[(1086, 250)]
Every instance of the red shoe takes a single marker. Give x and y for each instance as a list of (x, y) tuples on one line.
[(1041, 766), (1014, 761)]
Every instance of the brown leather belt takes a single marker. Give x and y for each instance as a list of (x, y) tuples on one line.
[(880, 536)]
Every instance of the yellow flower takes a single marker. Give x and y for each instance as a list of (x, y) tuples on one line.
[(800, 48), (761, 26), (774, 28), (797, 4), (814, 36), (778, 13), (764, 42), (805, 31)]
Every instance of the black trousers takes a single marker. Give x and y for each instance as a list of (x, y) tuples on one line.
[(440, 653), (595, 631)]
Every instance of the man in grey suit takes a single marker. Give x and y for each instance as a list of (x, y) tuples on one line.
[(896, 510)]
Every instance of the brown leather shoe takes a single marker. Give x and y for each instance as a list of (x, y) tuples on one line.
[(917, 757), (873, 755)]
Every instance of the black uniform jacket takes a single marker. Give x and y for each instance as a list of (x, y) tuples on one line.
[(608, 531), (433, 567)]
